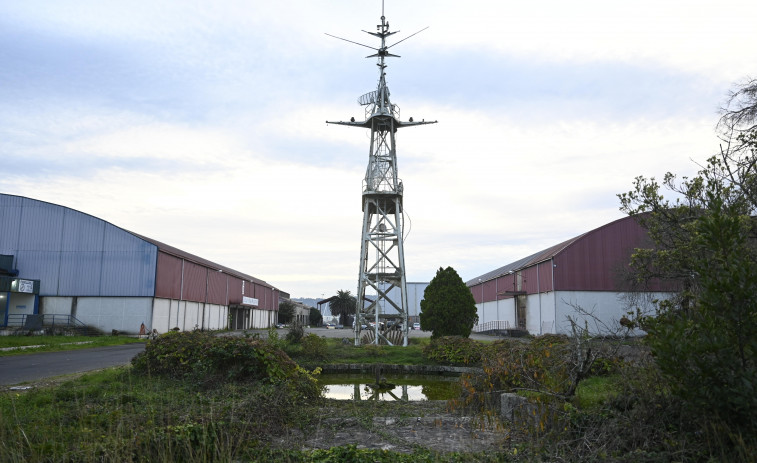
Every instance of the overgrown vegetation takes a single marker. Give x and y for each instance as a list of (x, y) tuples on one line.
[(206, 359), (705, 242), (199, 397), (453, 350), (332, 350), (120, 415)]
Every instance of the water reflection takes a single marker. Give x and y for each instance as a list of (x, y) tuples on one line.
[(401, 388)]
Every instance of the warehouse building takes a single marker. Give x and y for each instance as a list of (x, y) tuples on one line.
[(583, 278), (59, 263)]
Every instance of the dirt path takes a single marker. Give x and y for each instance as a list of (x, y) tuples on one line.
[(398, 427)]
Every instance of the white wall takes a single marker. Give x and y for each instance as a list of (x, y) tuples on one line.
[(19, 304), (261, 318), (120, 313), (501, 310), (56, 305), (602, 309), (548, 312), (186, 315), (127, 314), (540, 313)]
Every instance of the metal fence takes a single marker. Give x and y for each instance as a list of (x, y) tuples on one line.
[(38, 322), (494, 325)]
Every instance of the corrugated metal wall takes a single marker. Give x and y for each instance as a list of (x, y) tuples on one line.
[(203, 284), (72, 253), (195, 282), (262, 296), (217, 288), (235, 290), (75, 254), (597, 260), (505, 283), (545, 276), (168, 281)]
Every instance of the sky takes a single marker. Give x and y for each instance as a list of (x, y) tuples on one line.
[(202, 124)]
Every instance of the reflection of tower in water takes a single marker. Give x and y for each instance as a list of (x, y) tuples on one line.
[(382, 287)]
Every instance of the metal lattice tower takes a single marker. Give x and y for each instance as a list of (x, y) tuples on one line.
[(382, 288)]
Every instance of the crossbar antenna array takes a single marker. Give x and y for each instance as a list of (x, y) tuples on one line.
[(382, 286)]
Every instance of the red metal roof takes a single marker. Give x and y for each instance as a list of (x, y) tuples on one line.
[(533, 259)]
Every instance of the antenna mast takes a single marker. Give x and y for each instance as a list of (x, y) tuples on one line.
[(382, 288)]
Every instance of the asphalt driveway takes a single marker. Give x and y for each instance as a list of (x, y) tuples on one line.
[(15, 369)]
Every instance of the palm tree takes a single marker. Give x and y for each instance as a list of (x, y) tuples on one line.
[(343, 305)]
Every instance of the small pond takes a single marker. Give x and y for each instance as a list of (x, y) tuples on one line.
[(409, 387)]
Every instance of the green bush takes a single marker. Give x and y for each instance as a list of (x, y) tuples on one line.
[(296, 333), (453, 350), (448, 308), (314, 347), (211, 359)]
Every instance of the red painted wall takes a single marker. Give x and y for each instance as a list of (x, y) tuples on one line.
[(597, 261), (217, 287), (195, 279), (235, 290), (168, 277), (201, 284)]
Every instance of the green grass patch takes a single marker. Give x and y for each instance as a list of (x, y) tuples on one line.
[(19, 345), (338, 351), (118, 415), (596, 391)]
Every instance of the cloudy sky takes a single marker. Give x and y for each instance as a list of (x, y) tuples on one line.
[(202, 124)]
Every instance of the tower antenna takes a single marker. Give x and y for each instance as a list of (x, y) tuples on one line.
[(382, 286)]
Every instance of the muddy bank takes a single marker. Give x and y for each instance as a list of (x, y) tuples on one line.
[(400, 428)]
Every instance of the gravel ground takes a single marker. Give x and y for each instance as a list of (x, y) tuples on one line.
[(400, 428)]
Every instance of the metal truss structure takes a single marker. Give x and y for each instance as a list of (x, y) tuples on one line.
[(382, 289)]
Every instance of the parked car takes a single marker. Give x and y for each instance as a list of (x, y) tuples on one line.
[(416, 326), (394, 325)]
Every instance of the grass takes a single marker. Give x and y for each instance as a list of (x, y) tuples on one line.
[(396, 355), (116, 415), (338, 352), (596, 391), (14, 344)]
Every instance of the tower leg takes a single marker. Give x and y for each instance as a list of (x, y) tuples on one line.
[(382, 270)]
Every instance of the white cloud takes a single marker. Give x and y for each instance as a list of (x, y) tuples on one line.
[(203, 125)]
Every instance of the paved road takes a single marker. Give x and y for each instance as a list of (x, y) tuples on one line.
[(15, 369)]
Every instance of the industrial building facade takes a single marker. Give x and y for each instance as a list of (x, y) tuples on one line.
[(57, 260), (584, 278)]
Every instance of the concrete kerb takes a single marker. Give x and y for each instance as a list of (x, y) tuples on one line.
[(391, 368)]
